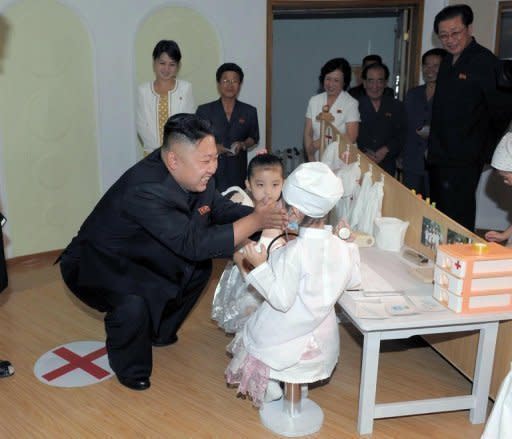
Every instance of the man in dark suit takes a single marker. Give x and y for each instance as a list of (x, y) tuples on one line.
[(144, 253), (235, 125), (359, 91), (383, 124), (462, 131), (6, 368)]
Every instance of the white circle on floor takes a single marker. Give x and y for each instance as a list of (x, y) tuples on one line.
[(76, 364)]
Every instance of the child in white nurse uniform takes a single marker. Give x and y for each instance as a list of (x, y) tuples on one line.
[(293, 336), (502, 162)]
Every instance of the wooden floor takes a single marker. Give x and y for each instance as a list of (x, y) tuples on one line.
[(188, 396)]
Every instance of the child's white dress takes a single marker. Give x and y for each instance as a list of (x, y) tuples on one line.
[(235, 300), (293, 336)]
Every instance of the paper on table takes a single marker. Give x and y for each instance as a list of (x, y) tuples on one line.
[(427, 304), (382, 307), (371, 310)]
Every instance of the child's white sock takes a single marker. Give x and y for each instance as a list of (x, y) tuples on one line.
[(304, 391), (273, 392)]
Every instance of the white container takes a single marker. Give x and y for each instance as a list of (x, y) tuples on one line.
[(390, 233)]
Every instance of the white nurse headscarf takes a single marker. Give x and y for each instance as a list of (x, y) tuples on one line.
[(502, 158), (313, 189)]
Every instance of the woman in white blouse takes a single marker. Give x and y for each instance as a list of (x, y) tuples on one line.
[(334, 79), (166, 95)]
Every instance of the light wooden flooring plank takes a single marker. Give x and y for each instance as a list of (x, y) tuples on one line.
[(188, 396)]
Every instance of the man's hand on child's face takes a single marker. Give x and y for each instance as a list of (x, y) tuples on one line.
[(272, 214), (255, 254)]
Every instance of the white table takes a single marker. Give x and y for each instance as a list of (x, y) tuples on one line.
[(394, 270)]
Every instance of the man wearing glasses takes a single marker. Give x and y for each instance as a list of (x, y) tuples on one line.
[(462, 133), (235, 125)]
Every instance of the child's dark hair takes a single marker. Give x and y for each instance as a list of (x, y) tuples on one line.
[(264, 161)]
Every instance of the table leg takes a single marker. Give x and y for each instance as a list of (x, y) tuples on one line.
[(483, 372), (368, 387)]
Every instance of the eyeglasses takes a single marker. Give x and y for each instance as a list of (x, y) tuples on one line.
[(230, 81), (451, 35)]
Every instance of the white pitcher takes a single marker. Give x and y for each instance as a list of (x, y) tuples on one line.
[(390, 233)]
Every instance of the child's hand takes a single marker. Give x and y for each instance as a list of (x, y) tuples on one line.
[(342, 224), (255, 254), (238, 259), (494, 236)]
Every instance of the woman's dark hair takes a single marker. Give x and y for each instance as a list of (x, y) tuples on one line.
[(264, 161), (441, 53), (185, 127), (169, 47), (463, 11), (229, 67), (384, 67), (340, 64)]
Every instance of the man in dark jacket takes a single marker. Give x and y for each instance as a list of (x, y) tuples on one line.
[(461, 131), (383, 124), (144, 253)]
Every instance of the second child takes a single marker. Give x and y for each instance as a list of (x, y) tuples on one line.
[(234, 299)]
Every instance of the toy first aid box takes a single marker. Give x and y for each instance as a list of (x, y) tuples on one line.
[(471, 278)]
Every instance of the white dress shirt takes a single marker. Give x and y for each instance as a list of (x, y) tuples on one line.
[(345, 109)]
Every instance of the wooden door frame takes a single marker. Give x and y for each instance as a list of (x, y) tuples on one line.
[(280, 5), (502, 5)]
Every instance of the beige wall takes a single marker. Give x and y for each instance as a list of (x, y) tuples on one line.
[(48, 126), (484, 23)]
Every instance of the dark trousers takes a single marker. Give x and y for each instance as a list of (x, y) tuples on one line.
[(418, 182), (454, 192), (3, 265), (231, 171), (128, 323)]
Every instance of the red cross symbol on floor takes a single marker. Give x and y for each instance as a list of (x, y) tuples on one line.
[(77, 362)]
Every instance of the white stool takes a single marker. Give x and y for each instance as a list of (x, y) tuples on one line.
[(293, 415)]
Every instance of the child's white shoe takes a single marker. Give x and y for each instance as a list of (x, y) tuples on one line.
[(273, 392)]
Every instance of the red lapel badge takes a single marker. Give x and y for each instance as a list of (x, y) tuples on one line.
[(462, 76), (241, 120), (203, 210), (388, 114)]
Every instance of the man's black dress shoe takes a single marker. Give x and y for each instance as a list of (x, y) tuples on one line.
[(135, 383), (160, 341), (6, 369)]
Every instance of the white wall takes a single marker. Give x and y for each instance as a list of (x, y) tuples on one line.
[(430, 9)]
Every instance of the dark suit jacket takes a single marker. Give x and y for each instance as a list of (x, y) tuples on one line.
[(232, 170), (384, 127), (147, 236), (419, 112), (462, 113)]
